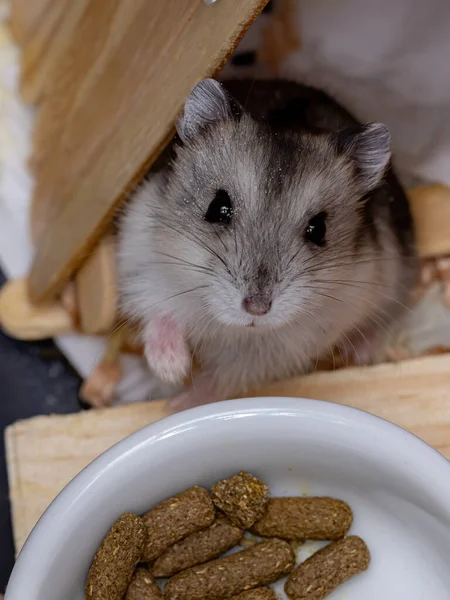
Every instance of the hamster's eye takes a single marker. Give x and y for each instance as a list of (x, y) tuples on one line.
[(316, 229), (221, 209)]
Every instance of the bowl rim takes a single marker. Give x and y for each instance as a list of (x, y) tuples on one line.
[(432, 465)]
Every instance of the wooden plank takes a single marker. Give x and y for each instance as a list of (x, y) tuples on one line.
[(41, 39), (25, 17), (44, 453), (36, 475), (121, 116), (93, 39), (25, 321), (96, 289), (40, 65), (431, 209)]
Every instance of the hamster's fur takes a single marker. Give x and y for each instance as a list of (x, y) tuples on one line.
[(275, 231)]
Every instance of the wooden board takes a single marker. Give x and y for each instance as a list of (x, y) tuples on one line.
[(26, 16), (96, 289), (430, 206), (118, 90), (41, 55), (44, 453)]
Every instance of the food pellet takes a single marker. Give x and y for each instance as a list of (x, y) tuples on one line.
[(198, 548), (325, 570), (264, 593), (175, 518), (114, 563), (143, 586), (242, 498), (304, 519), (226, 577)]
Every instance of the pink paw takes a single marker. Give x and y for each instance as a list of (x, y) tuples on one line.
[(166, 350)]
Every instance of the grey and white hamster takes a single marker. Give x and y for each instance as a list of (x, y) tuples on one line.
[(273, 232)]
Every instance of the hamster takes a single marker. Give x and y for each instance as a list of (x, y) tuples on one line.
[(272, 231)]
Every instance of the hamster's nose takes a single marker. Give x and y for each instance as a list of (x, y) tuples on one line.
[(256, 306)]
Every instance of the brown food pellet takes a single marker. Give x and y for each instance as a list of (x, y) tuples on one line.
[(143, 586), (114, 563), (223, 578), (264, 593), (325, 570), (198, 548), (176, 518), (304, 519), (242, 498)]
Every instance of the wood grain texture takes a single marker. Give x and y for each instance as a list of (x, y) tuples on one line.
[(96, 289), (431, 210), (41, 56), (44, 453), (83, 52), (134, 66), (25, 17), (36, 48)]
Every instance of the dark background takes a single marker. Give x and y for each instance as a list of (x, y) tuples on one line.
[(34, 380)]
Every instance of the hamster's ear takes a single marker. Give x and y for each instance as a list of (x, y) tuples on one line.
[(369, 147), (206, 104)]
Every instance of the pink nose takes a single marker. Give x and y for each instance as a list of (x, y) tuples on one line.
[(256, 306)]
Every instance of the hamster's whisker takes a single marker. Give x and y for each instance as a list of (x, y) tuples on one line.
[(337, 264), (351, 344), (185, 267), (374, 259), (350, 236), (376, 318), (378, 307), (235, 238), (321, 251), (350, 255), (368, 343), (341, 350), (291, 260), (198, 287), (184, 261), (197, 241), (122, 322), (249, 91), (193, 358), (195, 268), (340, 354), (366, 285), (342, 332), (329, 296), (317, 357)]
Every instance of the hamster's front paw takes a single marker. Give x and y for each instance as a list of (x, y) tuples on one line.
[(166, 349)]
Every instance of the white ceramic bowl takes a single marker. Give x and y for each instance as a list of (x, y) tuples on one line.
[(398, 487)]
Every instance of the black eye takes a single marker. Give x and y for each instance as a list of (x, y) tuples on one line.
[(221, 209), (316, 229)]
